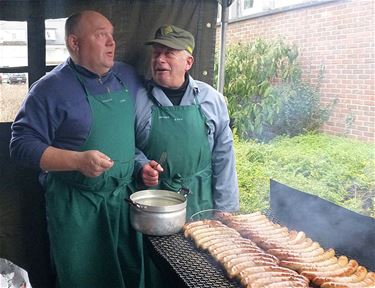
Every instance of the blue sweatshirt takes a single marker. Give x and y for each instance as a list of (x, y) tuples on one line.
[(56, 112)]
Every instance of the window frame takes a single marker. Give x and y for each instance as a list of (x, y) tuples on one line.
[(36, 51)]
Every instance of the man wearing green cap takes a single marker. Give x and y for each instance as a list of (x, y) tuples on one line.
[(189, 120)]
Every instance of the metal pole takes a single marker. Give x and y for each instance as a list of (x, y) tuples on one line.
[(224, 23)]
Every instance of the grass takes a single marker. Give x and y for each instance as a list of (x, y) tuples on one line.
[(337, 169)]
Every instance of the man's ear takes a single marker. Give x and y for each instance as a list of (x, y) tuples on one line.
[(72, 42), (189, 62)]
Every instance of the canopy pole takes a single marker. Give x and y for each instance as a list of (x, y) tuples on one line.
[(224, 23)]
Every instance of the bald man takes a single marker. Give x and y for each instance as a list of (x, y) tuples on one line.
[(77, 126)]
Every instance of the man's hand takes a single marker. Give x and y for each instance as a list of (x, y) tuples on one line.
[(150, 173), (90, 163), (93, 163)]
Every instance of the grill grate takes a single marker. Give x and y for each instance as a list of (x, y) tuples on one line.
[(196, 268)]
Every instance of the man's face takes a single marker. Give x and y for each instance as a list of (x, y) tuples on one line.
[(168, 66), (96, 46)]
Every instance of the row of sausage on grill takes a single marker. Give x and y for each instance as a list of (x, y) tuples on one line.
[(263, 254)]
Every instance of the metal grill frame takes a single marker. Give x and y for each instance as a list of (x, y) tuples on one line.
[(196, 268)]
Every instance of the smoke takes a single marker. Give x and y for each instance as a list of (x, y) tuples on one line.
[(349, 233)]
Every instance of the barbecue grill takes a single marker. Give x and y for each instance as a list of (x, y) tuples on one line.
[(194, 268), (191, 267)]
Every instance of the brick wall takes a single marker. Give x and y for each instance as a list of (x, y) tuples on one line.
[(338, 35)]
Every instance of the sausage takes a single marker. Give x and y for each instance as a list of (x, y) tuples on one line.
[(235, 267), (305, 246), (187, 232), (265, 228), (199, 234), (251, 278), (230, 244), (266, 268), (357, 276), (264, 225), (259, 239), (314, 259), (189, 225), (257, 259), (219, 255), (285, 284), (261, 282), (252, 217), (237, 242), (199, 229), (298, 266), (299, 238), (368, 282), (205, 242), (346, 270), (290, 253), (218, 232), (250, 254)]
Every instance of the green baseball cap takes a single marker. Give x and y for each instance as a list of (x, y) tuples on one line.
[(174, 37)]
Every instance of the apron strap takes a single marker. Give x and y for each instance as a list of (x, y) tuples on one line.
[(149, 88)]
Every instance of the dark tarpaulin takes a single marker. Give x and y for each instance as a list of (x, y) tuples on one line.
[(23, 227), (333, 226), (135, 22)]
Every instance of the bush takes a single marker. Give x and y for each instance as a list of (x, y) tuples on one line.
[(265, 92)]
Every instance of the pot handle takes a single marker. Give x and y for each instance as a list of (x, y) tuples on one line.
[(184, 191), (135, 204)]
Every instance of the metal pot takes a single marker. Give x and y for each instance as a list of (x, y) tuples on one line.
[(157, 212)]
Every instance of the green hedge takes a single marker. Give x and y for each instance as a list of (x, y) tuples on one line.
[(337, 169)]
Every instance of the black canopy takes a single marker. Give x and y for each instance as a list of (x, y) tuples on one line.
[(134, 22)]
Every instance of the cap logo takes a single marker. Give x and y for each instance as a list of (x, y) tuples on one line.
[(173, 37), (166, 30)]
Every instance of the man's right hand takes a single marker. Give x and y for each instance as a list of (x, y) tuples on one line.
[(93, 163), (150, 173), (90, 163)]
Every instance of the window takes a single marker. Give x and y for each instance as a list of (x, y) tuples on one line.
[(13, 44), (247, 4), (17, 59), (56, 51), (13, 56), (241, 8)]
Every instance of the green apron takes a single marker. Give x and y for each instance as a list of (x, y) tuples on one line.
[(92, 242), (181, 131)]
